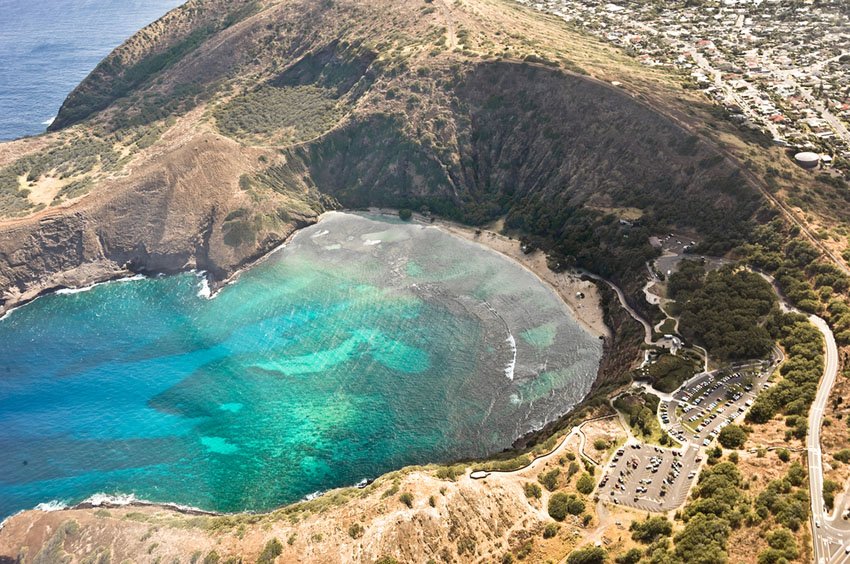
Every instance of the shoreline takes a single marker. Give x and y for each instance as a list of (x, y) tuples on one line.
[(586, 311)]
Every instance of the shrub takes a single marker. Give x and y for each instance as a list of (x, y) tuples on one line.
[(525, 550), (829, 489), (600, 444), (842, 455), (390, 491), (651, 529), (532, 490), (585, 484), (783, 541), (703, 540), (405, 214), (466, 545), (783, 454), (561, 505), (550, 531), (270, 552), (630, 557), (406, 498), (590, 555), (355, 531), (550, 479)]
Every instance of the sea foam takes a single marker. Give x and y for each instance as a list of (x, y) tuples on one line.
[(69, 291), (204, 290), (54, 505), (509, 368)]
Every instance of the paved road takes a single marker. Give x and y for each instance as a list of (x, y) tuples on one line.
[(828, 535)]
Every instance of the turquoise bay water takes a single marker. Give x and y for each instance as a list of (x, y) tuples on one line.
[(363, 346)]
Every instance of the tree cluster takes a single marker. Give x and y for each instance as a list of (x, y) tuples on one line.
[(724, 310), (803, 367)]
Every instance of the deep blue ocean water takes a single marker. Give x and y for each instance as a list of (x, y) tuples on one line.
[(47, 47), (363, 346)]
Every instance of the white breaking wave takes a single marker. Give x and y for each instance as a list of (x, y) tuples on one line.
[(314, 495), (66, 291), (121, 500), (54, 505), (8, 313), (99, 499), (204, 290), (321, 233), (371, 242), (509, 368), (49, 121)]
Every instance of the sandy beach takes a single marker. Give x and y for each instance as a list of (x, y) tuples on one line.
[(587, 310)]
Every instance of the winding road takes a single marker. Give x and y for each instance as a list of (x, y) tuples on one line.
[(829, 536)]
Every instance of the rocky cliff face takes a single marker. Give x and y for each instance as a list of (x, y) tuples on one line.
[(163, 217)]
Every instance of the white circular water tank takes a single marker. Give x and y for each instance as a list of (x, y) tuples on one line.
[(807, 159)]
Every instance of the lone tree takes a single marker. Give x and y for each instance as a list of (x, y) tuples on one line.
[(732, 436), (405, 214)]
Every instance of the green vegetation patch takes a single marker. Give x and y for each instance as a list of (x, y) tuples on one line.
[(73, 190), (724, 310), (65, 159), (668, 372), (651, 529), (270, 552), (590, 555), (562, 504), (284, 115), (718, 506), (732, 436), (801, 372), (338, 67), (640, 410)]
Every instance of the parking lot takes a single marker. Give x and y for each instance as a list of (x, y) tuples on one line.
[(697, 413), (649, 478), (657, 479)]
